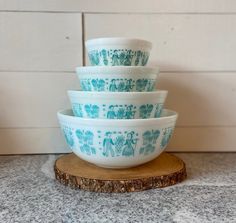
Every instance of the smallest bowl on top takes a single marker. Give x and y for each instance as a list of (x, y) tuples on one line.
[(117, 105), (118, 51), (117, 78)]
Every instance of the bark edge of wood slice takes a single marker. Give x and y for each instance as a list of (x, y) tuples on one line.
[(165, 170)]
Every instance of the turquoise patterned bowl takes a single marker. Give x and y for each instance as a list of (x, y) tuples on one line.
[(117, 143), (118, 51), (117, 78), (117, 105)]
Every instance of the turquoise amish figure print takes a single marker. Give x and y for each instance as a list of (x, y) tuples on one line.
[(129, 113), (101, 85), (158, 109), (149, 110), (141, 84), (120, 113), (104, 57), (142, 111), (128, 58), (129, 85), (79, 135), (129, 145), (111, 113), (112, 86), (92, 111), (119, 143), (147, 136), (94, 57), (166, 137), (145, 58), (85, 85), (115, 58), (121, 86), (95, 84), (145, 110), (122, 58), (150, 85), (149, 141), (86, 141), (107, 145), (77, 109), (156, 134), (68, 136), (138, 57)]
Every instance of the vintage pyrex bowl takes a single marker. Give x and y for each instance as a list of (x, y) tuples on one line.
[(117, 105), (117, 143), (118, 51), (117, 78)]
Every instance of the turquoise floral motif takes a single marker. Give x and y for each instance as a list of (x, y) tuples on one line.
[(98, 84), (68, 135), (117, 85), (92, 111), (85, 139), (158, 110), (117, 111), (94, 57), (149, 142), (145, 110), (118, 57), (118, 144), (167, 133), (77, 109)]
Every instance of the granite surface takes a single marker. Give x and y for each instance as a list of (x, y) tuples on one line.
[(29, 193)]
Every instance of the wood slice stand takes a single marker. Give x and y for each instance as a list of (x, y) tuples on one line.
[(165, 170)]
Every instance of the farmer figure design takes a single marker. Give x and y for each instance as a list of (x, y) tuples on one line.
[(130, 145), (104, 56), (128, 58), (129, 85), (129, 113), (112, 86), (107, 145), (115, 58), (111, 113)]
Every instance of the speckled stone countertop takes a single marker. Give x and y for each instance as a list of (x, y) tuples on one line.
[(29, 193)]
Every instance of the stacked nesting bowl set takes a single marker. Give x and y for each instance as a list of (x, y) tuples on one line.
[(117, 119)]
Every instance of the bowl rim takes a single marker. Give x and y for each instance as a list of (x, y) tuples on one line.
[(131, 95), (171, 117), (131, 70), (106, 41)]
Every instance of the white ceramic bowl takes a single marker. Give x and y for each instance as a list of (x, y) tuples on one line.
[(117, 105), (118, 51), (117, 143), (117, 78)]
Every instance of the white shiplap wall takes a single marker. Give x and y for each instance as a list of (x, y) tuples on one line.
[(41, 42)]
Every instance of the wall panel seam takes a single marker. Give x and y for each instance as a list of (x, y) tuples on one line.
[(123, 13)]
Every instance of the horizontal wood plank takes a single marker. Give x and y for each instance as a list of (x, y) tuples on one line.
[(32, 99), (50, 140), (150, 6), (32, 141), (180, 42), (201, 99), (40, 41), (203, 139)]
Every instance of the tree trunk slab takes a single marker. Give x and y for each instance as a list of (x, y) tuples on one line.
[(165, 170)]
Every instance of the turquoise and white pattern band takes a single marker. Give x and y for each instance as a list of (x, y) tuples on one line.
[(117, 111)]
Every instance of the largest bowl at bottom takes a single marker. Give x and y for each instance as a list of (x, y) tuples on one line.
[(117, 143)]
